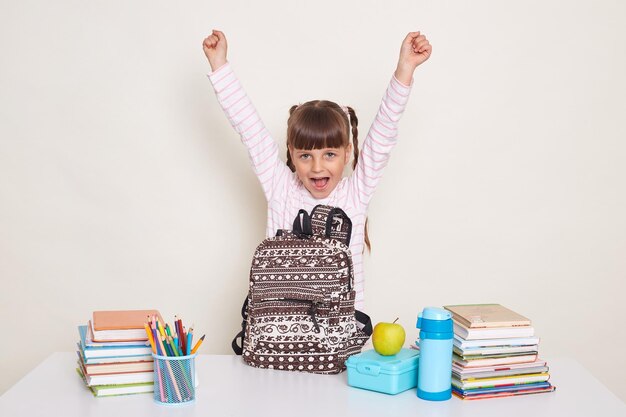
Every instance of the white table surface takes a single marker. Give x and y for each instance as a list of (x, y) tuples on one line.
[(228, 387)]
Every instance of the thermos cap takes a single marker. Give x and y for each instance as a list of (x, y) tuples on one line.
[(435, 313), (435, 320)]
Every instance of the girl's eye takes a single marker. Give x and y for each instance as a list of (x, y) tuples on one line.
[(305, 156), (330, 155)]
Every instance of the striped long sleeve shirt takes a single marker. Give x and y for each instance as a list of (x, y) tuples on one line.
[(284, 192)]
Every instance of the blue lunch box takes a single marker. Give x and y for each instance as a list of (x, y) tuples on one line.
[(387, 374)]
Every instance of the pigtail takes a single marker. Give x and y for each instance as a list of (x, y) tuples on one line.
[(290, 164), (354, 122)]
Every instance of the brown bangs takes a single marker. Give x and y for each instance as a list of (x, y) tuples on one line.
[(318, 125)]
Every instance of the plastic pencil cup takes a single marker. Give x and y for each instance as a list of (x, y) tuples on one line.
[(174, 379)]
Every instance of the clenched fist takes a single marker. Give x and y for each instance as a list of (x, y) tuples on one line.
[(414, 51), (215, 48)]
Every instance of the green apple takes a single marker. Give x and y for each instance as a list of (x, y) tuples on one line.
[(388, 338)]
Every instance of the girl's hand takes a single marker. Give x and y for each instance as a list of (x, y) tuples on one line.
[(215, 48), (414, 51)]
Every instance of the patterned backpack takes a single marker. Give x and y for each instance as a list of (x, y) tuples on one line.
[(299, 313)]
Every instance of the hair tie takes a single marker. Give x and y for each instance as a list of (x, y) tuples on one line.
[(345, 110)]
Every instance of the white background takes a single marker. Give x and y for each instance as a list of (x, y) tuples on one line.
[(122, 184)]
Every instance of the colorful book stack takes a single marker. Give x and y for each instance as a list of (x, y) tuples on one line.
[(495, 353), (114, 355)]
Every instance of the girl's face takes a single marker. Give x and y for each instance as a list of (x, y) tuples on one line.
[(320, 170)]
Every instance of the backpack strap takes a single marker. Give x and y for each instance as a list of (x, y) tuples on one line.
[(302, 225), (238, 348), (365, 321), (331, 222)]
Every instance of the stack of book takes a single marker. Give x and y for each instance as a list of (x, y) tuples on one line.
[(495, 353), (114, 355)]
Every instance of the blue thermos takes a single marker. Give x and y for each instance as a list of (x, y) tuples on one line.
[(434, 375)]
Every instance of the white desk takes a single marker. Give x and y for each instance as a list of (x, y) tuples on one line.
[(228, 387)]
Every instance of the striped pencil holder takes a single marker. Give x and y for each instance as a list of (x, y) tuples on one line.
[(174, 379)]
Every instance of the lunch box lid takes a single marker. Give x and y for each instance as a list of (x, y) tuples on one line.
[(372, 363)]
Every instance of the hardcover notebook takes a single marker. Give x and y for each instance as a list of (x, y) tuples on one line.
[(500, 381), (486, 315), (121, 325), (483, 343), (111, 352), (537, 366), (493, 361), (475, 333), (118, 389), (495, 392)]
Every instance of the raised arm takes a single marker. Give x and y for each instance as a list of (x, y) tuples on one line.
[(382, 136), (262, 149)]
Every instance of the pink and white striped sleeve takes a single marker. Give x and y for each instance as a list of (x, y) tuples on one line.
[(262, 148), (379, 142)]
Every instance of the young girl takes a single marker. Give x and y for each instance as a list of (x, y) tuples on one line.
[(318, 146)]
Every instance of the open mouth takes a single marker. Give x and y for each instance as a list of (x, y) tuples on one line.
[(320, 183)]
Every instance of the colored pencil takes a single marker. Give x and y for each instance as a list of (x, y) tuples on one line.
[(173, 380), (168, 348), (160, 327), (184, 336), (198, 343), (177, 329), (156, 363), (181, 336), (169, 369), (150, 338), (188, 341), (170, 340)]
